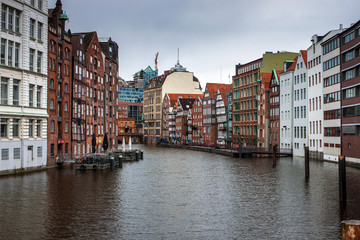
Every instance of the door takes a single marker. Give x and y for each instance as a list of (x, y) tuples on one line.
[(30, 156)]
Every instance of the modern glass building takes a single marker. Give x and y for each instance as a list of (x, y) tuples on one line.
[(131, 95)]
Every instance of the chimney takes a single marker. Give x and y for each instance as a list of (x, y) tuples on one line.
[(341, 27)]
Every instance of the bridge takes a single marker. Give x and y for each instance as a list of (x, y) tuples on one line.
[(249, 151)]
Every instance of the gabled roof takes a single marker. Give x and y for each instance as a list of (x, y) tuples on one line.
[(265, 79), (224, 90), (173, 97), (304, 56), (213, 87), (275, 74), (292, 67)]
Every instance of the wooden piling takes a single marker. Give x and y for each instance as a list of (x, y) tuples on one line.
[(342, 179), (350, 230), (274, 155), (307, 160), (120, 161), (137, 155)]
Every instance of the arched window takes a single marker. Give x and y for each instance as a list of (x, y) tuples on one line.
[(51, 83), (52, 126)]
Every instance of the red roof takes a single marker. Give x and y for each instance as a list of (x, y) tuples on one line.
[(304, 56), (213, 87), (175, 96), (224, 90), (265, 79), (292, 67)]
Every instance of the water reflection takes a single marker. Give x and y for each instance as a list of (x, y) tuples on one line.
[(180, 194)]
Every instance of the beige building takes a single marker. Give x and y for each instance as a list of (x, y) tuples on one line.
[(177, 80)]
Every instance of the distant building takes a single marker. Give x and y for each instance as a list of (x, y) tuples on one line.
[(197, 113), (263, 135), (131, 94), (222, 113), (300, 88), (274, 111), (142, 77), (287, 104), (209, 111), (177, 80)]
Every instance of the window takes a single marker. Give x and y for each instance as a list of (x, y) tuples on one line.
[(16, 153), (52, 126), (31, 127), (32, 28), (31, 95), (5, 154), (39, 61), (4, 90), (51, 83), (349, 93), (66, 127), (66, 106), (17, 54), (3, 47), (40, 4), (39, 151), (349, 56), (16, 127), (52, 150), (67, 88), (38, 96), (31, 60), (32, 3), (10, 52), (349, 37), (349, 74), (38, 128), (3, 127)]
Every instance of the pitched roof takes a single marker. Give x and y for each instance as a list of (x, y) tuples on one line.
[(224, 89), (292, 67), (265, 79), (186, 104), (304, 56), (175, 96), (213, 87)]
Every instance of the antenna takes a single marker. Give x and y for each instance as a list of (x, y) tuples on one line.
[(156, 57), (178, 60)]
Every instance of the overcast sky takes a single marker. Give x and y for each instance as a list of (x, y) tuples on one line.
[(213, 35)]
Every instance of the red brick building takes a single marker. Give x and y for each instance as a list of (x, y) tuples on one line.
[(88, 93), (209, 112), (197, 121), (109, 51), (274, 104), (59, 86), (263, 136), (350, 78)]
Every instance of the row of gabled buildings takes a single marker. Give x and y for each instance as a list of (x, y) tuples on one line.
[(176, 110), (57, 88), (304, 99)]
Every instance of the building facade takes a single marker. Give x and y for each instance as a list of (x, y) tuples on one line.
[(274, 109), (59, 87), (331, 98), (222, 115), (263, 135), (23, 88), (300, 88), (350, 87), (286, 104)]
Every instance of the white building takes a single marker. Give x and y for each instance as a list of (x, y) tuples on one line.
[(300, 107), (315, 94), (286, 104), (23, 89), (332, 97)]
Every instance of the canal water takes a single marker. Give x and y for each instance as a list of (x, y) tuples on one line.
[(179, 194)]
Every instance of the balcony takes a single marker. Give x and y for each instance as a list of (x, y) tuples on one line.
[(60, 41), (60, 61), (59, 98), (59, 119), (60, 80)]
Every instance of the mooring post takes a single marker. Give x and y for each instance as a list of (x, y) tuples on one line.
[(350, 230), (120, 161), (274, 154), (307, 169), (137, 155), (141, 154), (342, 179)]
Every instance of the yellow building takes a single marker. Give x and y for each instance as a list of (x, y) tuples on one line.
[(177, 80)]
